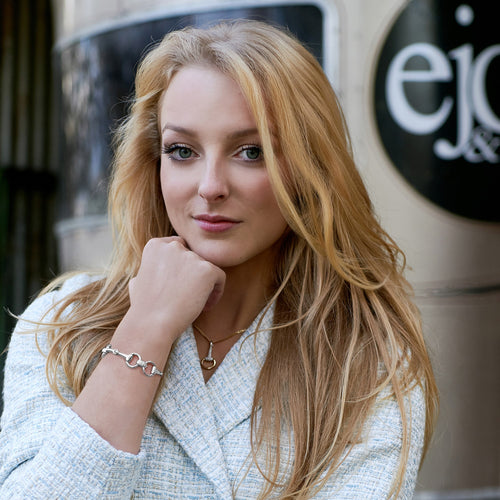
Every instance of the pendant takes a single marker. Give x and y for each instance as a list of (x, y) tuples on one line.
[(208, 362)]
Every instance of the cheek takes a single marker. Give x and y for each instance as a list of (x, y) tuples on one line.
[(172, 187), (257, 186), (265, 200), (172, 200)]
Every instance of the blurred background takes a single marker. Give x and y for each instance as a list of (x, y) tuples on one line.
[(418, 81)]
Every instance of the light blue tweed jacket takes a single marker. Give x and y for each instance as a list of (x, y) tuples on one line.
[(196, 443)]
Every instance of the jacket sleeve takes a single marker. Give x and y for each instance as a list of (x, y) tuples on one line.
[(47, 450), (369, 469)]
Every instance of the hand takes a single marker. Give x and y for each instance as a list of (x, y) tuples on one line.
[(174, 285)]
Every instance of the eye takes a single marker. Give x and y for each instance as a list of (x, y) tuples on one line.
[(250, 153), (178, 152)]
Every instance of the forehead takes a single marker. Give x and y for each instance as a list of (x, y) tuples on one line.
[(200, 84), (204, 103)]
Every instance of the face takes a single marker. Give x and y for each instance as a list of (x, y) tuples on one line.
[(213, 174)]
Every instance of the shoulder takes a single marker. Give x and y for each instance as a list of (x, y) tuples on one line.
[(29, 343), (40, 312), (70, 282), (56, 292)]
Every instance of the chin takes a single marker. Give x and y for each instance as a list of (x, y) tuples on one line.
[(221, 261), (218, 255)]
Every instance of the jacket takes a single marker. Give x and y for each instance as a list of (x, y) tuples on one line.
[(196, 443)]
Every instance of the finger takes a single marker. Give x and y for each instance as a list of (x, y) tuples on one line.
[(170, 239), (179, 239)]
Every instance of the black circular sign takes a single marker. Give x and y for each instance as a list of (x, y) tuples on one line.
[(437, 103)]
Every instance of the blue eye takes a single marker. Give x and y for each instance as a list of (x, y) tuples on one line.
[(251, 153), (178, 152), (184, 153)]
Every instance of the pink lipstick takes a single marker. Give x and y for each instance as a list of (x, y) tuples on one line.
[(215, 223)]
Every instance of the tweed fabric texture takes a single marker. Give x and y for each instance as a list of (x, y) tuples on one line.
[(196, 444)]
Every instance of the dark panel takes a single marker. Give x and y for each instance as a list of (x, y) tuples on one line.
[(27, 181)]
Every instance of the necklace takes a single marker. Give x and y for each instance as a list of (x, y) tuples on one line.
[(208, 362)]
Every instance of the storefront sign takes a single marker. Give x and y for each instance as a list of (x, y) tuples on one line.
[(437, 103)]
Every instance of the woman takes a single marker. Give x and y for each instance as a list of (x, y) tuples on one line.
[(286, 357)]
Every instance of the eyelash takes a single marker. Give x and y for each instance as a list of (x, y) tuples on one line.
[(172, 148), (249, 147)]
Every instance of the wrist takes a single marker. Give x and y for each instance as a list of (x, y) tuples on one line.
[(134, 360), (151, 340), (149, 328)]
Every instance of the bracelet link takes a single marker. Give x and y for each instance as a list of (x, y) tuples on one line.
[(148, 367), (129, 357)]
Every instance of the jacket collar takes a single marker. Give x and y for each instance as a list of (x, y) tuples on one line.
[(196, 414)]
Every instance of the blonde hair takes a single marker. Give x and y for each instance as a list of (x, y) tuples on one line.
[(343, 308)]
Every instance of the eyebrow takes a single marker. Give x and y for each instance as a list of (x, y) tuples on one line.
[(233, 135)]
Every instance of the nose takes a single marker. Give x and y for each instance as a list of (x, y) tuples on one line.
[(214, 184)]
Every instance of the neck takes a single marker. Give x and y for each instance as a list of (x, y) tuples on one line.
[(245, 294)]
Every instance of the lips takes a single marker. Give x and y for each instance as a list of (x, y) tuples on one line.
[(215, 223)]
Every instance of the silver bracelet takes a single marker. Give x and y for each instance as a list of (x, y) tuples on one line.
[(148, 367)]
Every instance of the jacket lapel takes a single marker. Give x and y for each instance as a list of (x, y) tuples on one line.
[(186, 411), (198, 415), (231, 389)]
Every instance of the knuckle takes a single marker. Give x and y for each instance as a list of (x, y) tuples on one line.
[(152, 243), (175, 244), (206, 266)]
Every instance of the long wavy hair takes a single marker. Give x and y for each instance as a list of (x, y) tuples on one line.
[(345, 328)]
